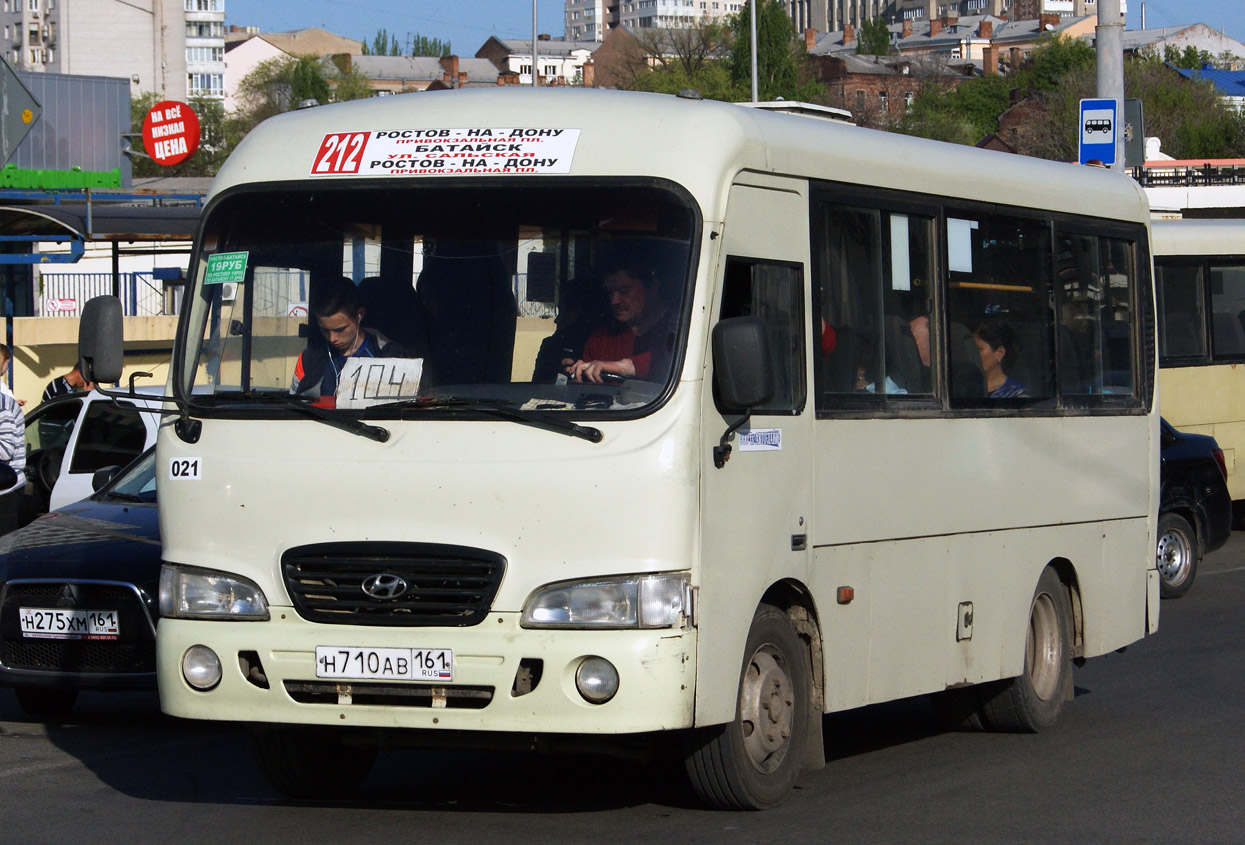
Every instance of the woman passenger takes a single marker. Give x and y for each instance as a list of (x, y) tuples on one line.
[(997, 344)]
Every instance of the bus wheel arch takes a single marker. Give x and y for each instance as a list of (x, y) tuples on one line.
[(1068, 577), (752, 761)]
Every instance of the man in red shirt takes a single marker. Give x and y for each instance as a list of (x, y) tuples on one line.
[(638, 342)]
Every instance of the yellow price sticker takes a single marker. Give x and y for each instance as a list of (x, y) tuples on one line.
[(27, 115)]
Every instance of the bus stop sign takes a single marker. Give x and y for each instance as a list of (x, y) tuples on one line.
[(1097, 132)]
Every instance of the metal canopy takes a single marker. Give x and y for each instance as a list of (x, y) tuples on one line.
[(100, 222)]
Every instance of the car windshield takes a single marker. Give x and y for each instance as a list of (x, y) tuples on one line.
[(135, 483), (392, 300)]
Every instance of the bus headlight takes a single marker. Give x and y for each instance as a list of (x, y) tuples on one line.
[(189, 593), (631, 601)]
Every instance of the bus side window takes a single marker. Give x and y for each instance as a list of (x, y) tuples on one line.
[(775, 293), (1227, 287), (874, 291), (1182, 306), (998, 283), (1096, 280)]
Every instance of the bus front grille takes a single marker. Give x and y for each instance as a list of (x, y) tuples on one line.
[(397, 584)]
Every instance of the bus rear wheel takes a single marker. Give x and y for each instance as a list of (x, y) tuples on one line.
[(310, 762), (752, 762), (1031, 701)]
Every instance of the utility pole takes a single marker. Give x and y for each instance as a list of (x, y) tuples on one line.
[(1110, 44), (752, 10), (535, 72)]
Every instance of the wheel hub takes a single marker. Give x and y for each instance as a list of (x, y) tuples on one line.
[(767, 708), (1174, 556)]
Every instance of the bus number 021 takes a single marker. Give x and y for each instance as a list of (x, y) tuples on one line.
[(184, 469)]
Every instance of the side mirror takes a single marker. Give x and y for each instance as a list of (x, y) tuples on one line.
[(742, 365), (102, 476), (100, 340)]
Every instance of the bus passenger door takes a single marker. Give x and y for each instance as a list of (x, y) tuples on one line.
[(756, 506)]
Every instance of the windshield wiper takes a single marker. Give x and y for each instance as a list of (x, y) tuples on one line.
[(372, 432), (504, 410), (126, 497)]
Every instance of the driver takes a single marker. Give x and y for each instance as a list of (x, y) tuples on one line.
[(338, 314), (639, 339)]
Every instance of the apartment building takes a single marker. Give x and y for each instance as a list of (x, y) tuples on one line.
[(832, 15), (173, 47), (591, 20)]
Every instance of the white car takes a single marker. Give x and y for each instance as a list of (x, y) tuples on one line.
[(70, 437)]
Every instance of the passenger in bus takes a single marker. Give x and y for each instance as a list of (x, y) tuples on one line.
[(638, 340), (999, 349), (335, 307)]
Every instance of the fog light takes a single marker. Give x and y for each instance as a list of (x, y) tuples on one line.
[(201, 667), (597, 680)]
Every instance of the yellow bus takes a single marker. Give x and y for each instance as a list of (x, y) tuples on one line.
[(1199, 269), (578, 418)]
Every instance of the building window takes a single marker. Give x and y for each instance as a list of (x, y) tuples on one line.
[(205, 29), (860, 101), (33, 5), (206, 84), (205, 54)]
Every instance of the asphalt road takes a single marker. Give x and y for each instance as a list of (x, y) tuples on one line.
[(1152, 748)]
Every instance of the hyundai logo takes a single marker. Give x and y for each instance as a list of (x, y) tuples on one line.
[(386, 585)]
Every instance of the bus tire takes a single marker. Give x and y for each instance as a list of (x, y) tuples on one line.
[(45, 704), (1031, 701), (751, 762), (1176, 554), (310, 763)]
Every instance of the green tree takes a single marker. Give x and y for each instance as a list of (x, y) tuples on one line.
[(963, 114), (383, 44), (435, 47), (873, 38), (1190, 58), (780, 55)]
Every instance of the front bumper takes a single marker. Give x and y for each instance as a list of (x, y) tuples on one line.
[(656, 670)]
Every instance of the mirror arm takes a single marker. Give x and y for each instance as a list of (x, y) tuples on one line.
[(722, 452)]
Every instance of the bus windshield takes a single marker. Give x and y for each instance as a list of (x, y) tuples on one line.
[(566, 297)]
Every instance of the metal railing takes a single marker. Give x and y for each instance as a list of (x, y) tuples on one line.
[(1185, 176), (64, 294)]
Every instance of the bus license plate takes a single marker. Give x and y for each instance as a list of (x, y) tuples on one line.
[(384, 664), (57, 624)]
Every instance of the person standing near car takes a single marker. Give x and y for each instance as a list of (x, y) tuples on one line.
[(12, 449), (71, 382)]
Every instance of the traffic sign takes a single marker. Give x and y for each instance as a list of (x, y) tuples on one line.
[(1097, 132), (18, 111), (170, 132)]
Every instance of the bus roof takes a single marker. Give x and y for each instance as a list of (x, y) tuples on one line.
[(699, 144), (1198, 237)]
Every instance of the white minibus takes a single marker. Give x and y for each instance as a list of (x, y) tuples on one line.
[(572, 418)]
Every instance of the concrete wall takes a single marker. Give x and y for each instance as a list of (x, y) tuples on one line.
[(46, 347)]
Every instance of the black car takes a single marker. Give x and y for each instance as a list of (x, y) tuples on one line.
[(79, 595), (1195, 510)]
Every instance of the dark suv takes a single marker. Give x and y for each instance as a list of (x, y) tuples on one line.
[(1195, 511)]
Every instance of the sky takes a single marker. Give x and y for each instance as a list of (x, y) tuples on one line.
[(467, 24)]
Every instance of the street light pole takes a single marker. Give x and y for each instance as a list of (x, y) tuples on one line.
[(535, 73), (1109, 36), (752, 10)]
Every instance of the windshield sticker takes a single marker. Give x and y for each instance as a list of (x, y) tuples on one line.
[(445, 152), (225, 267), (761, 440), (369, 381)]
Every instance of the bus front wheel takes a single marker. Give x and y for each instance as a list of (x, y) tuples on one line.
[(751, 762), (310, 762), (1032, 701)]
